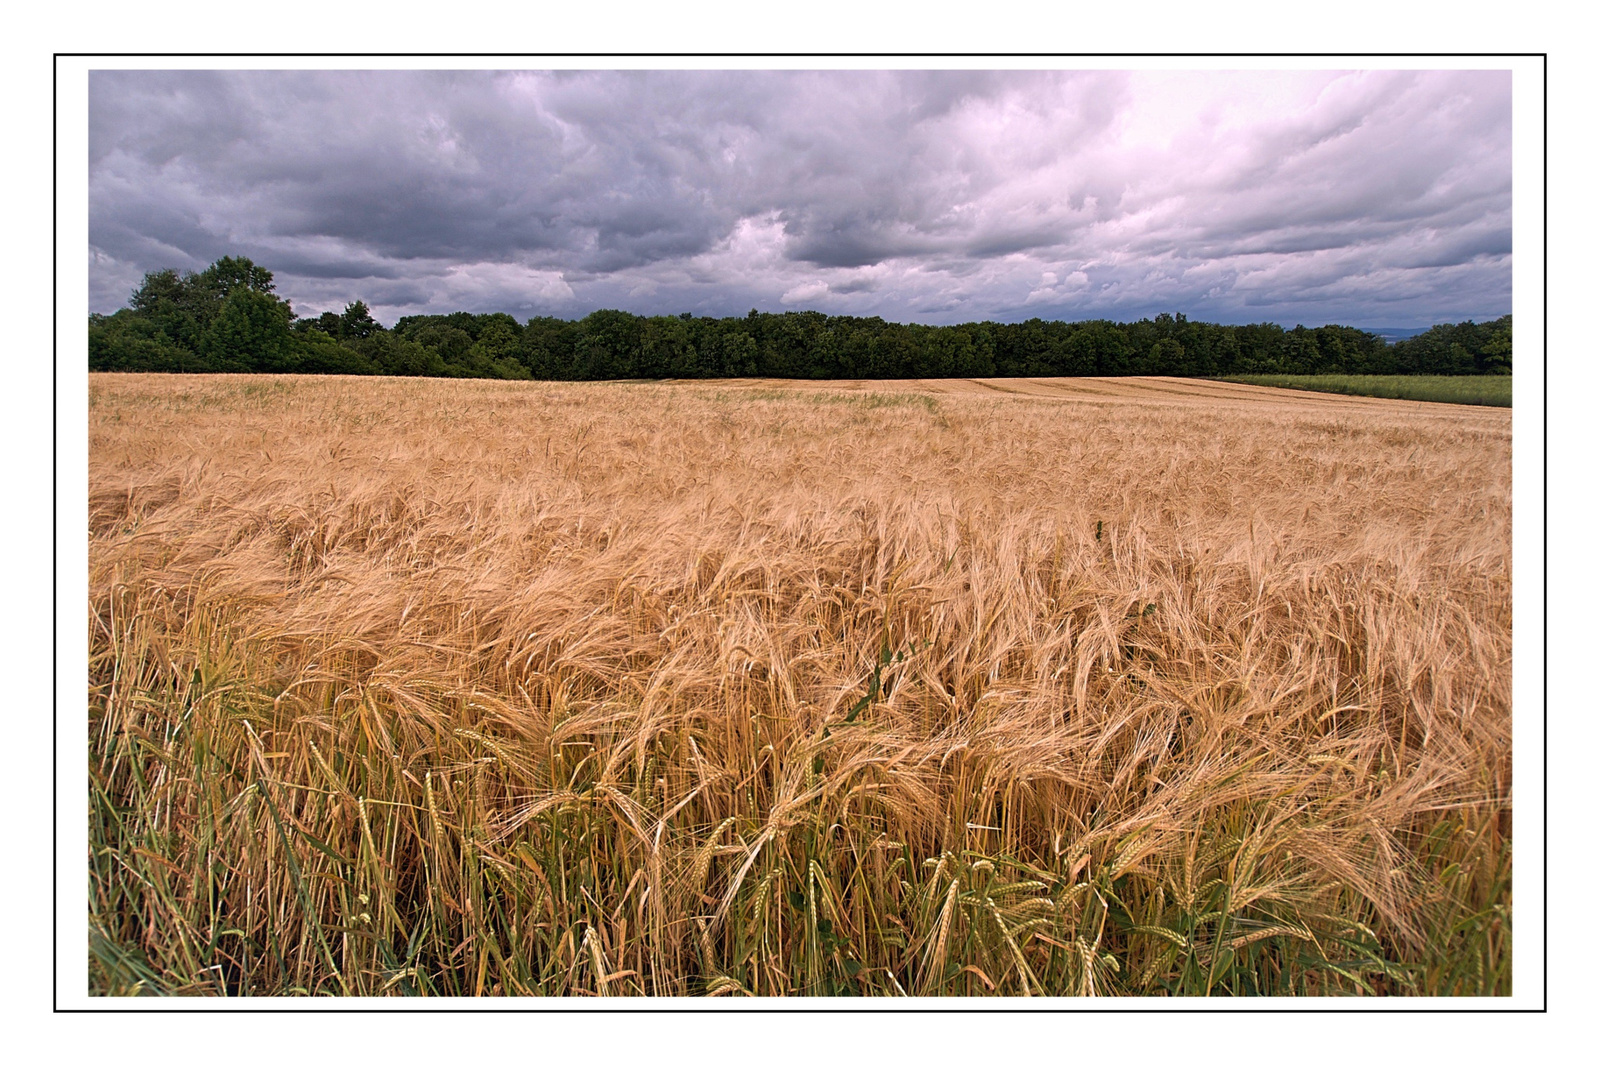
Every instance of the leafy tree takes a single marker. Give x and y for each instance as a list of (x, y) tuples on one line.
[(451, 343), (1457, 348), (357, 321), (328, 323), (399, 355), (175, 305), (496, 353), (322, 353), (1166, 357), (228, 274), (159, 288), (251, 332), (981, 360), (665, 349), (608, 345), (129, 341), (739, 355), (1113, 351), (1496, 356)]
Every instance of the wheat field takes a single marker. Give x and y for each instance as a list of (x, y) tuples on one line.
[(1013, 687)]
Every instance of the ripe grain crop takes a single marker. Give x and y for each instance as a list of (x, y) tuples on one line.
[(1120, 687)]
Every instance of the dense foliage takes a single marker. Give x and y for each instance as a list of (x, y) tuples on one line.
[(227, 318)]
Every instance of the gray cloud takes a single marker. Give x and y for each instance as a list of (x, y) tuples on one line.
[(931, 196)]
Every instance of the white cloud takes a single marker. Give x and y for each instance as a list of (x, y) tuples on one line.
[(803, 293)]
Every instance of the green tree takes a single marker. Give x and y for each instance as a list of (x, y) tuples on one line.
[(251, 332), (159, 287), (451, 343), (228, 274), (1166, 357), (129, 341), (739, 355), (1078, 353), (357, 321), (175, 306), (1496, 357), (497, 351)]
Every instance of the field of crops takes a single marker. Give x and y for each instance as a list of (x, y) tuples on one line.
[(1488, 390), (1013, 687)]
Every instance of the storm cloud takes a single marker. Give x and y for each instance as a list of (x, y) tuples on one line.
[(1375, 198)]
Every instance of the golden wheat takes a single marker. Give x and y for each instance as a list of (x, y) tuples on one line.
[(776, 687)]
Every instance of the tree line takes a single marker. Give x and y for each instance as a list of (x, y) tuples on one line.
[(227, 318)]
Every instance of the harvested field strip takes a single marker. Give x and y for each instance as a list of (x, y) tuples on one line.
[(1211, 392), (1073, 388), (726, 688), (991, 386)]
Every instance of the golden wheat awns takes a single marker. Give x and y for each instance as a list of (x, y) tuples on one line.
[(1098, 687)]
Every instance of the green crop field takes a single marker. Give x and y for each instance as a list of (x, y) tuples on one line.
[(1486, 390)]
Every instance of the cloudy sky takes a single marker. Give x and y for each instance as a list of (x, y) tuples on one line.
[(1373, 199)]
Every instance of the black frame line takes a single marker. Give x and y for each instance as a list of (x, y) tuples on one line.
[(954, 1008)]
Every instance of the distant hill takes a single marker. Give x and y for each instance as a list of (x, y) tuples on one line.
[(1390, 334)]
